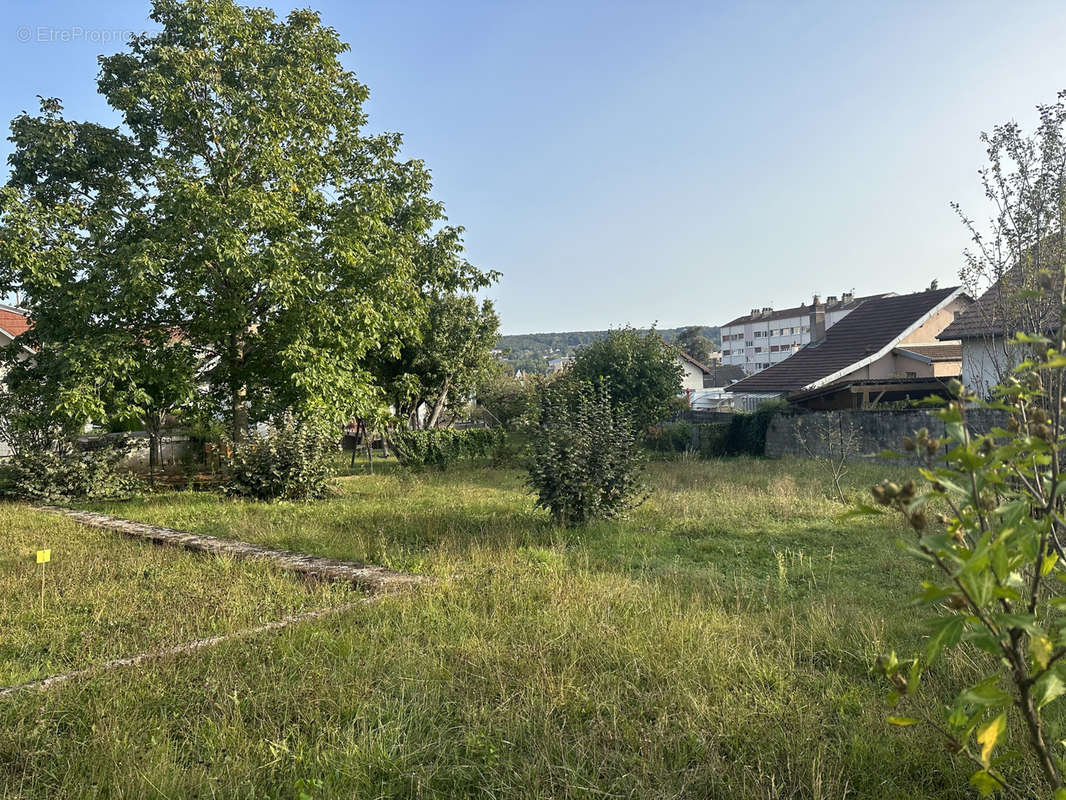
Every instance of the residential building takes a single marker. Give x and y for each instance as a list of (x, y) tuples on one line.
[(559, 363), (766, 337), (13, 321), (884, 349), (713, 395), (1011, 305), (692, 379)]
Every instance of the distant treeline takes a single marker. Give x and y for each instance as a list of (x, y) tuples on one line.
[(530, 352)]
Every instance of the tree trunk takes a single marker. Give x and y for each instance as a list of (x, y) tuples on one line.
[(438, 406), (239, 391), (152, 424)]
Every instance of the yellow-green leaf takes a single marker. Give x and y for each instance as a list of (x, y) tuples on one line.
[(984, 783), (988, 736), (1040, 650), (902, 721)]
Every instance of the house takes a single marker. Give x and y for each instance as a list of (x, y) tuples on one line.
[(704, 384), (985, 331), (885, 349), (559, 363), (13, 321), (694, 373), (766, 337)]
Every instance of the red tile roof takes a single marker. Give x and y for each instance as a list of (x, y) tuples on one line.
[(875, 325), (13, 322)]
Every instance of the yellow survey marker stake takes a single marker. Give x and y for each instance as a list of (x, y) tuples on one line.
[(43, 557)]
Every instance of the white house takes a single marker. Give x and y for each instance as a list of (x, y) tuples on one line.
[(986, 328)]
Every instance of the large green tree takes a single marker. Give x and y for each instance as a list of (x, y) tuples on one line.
[(444, 362), (242, 202), (692, 341), (639, 370)]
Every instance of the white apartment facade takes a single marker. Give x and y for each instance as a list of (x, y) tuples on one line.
[(766, 337)]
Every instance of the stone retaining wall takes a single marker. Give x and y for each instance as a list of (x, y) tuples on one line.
[(876, 431)]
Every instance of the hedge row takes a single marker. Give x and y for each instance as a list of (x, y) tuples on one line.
[(439, 447), (743, 434)]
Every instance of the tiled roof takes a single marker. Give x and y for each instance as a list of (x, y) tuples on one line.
[(877, 324), (948, 351), (800, 310), (723, 375), (13, 322), (1002, 302)]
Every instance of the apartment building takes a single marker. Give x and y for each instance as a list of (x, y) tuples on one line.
[(766, 336)]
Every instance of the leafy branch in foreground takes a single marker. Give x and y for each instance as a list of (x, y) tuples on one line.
[(998, 554)]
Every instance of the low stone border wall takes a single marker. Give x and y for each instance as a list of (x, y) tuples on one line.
[(369, 577)]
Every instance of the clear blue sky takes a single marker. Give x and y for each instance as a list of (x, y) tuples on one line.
[(627, 162)]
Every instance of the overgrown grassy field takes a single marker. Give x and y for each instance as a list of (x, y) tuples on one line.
[(716, 644)]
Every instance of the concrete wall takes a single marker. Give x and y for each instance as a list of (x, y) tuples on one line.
[(876, 430), (929, 329), (985, 362), (692, 379)]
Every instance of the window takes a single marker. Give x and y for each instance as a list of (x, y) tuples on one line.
[(912, 375), (747, 344), (727, 352), (758, 349)]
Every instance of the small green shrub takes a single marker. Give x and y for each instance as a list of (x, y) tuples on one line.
[(45, 476), (293, 461), (672, 437), (439, 447), (747, 432), (586, 455), (714, 439)]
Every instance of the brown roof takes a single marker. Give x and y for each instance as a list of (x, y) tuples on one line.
[(948, 351), (800, 310), (702, 367), (1015, 298), (877, 324)]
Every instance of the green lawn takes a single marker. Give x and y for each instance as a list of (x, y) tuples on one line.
[(716, 644)]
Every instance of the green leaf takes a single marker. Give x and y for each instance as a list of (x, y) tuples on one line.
[(946, 633), (984, 783), (986, 693), (1049, 688)]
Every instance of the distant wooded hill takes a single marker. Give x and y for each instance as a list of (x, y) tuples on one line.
[(530, 352)]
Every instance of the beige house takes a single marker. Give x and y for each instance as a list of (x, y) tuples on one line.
[(885, 349)]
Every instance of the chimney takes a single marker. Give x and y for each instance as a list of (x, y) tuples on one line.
[(817, 321), (755, 312), (848, 297), (817, 301), (831, 300), (767, 312)]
